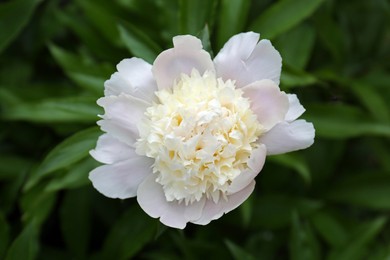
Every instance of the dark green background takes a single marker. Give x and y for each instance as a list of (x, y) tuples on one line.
[(330, 201)]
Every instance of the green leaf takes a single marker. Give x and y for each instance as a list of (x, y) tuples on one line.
[(342, 121), (381, 152), (282, 16), (373, 100), (7, 97), (25, 246), (75, 221), (9, 193), (89, 82), (74, 177), (266, 244), (381, 252), (70, 151), (84, 72), (294, 77), (4, 235), (68, 109), (330, 35), (238, 252), (370, 190), (322, 171), (103, 18), (184, 245), (129, 234), (295, 162), (303, 243), (246, 209), (296, 45), (37, 204), (232, 17), (138, 43), (88, 35), (191, 22), (371, 96), (204, 36), (274, 210), (12, 166), (14, 16), (333, 232), (357, 245)]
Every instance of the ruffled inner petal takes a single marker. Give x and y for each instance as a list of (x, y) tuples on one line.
[(255, 164)]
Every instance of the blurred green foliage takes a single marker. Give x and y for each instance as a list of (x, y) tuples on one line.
[(331, 201)]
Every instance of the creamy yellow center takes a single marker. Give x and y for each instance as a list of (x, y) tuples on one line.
[(200, 134)]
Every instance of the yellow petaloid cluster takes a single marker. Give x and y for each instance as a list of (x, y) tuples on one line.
[(201, 134)]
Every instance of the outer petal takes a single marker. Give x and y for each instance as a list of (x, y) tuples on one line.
[(152, 200), (267, 101), (134, 77), (295, 109), (255, 163), (121, 179), (244, 61), (123, 114), (213, 210), (110, 150), (186, 55), (286, 137)]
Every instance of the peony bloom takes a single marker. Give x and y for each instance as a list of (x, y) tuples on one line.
[(188, 135)]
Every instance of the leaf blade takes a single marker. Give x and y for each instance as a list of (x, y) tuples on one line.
[(70, 151), (14, 23), (282, 16)]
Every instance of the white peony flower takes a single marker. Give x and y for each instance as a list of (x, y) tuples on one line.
[(188, 135)]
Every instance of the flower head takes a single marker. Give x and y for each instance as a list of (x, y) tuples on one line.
[(188, 135)]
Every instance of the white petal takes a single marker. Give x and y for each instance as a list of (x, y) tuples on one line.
[(151, 198), (122, 115), (213, 210), (110, 150), (244, 61), (255, 163), (295, 109), (286, 137), (267, 101), (134, 77), (186, 55), (121, 179)]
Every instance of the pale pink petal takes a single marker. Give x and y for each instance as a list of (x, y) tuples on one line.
[(267, 101), (110, 150), (186, 55), (295, 109), (239, 46), (151, 198), (255, 164), (286, 137), (121, 179), (245, 62), (213, 210), (122, 115), (134, 77)]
